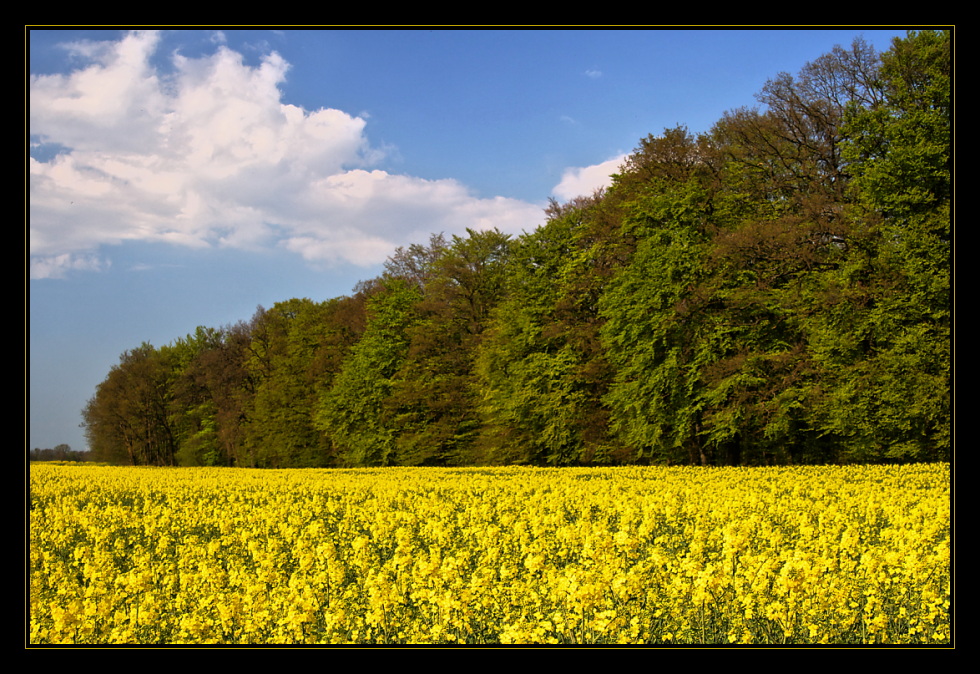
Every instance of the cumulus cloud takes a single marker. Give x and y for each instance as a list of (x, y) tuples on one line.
[(576, 182), (210, 155), (378, 201)]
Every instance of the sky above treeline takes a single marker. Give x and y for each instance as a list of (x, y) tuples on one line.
[(180, 178)]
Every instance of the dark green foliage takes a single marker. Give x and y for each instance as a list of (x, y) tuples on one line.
[(434, 397), (128, 419), (351, 411), (218, 389), (657, 313), (542, 371), (289, 372), (892, 395)]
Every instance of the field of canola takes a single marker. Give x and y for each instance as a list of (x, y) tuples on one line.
[(839, 555)]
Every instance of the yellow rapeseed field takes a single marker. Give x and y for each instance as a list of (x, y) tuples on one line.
[(798, 555)]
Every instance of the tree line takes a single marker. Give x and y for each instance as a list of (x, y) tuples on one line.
[(775, 290), (60, 452)]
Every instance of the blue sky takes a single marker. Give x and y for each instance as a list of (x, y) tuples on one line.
[(185, 177)]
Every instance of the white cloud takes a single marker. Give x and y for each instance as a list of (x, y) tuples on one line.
[(388, 207), (211, 155), (58, 266), (576, 182)]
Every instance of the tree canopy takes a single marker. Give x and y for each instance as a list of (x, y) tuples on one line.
[(774, 290)]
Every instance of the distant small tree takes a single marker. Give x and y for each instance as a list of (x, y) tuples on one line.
[(60, 452)]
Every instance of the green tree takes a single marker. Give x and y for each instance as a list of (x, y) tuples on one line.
[(128, 420), (216, 391), (540, 369), (295, 350), (705, 325), (889, 396), (351, 412), (416, 265), (192, 411), (432, 402), (655, 324)]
